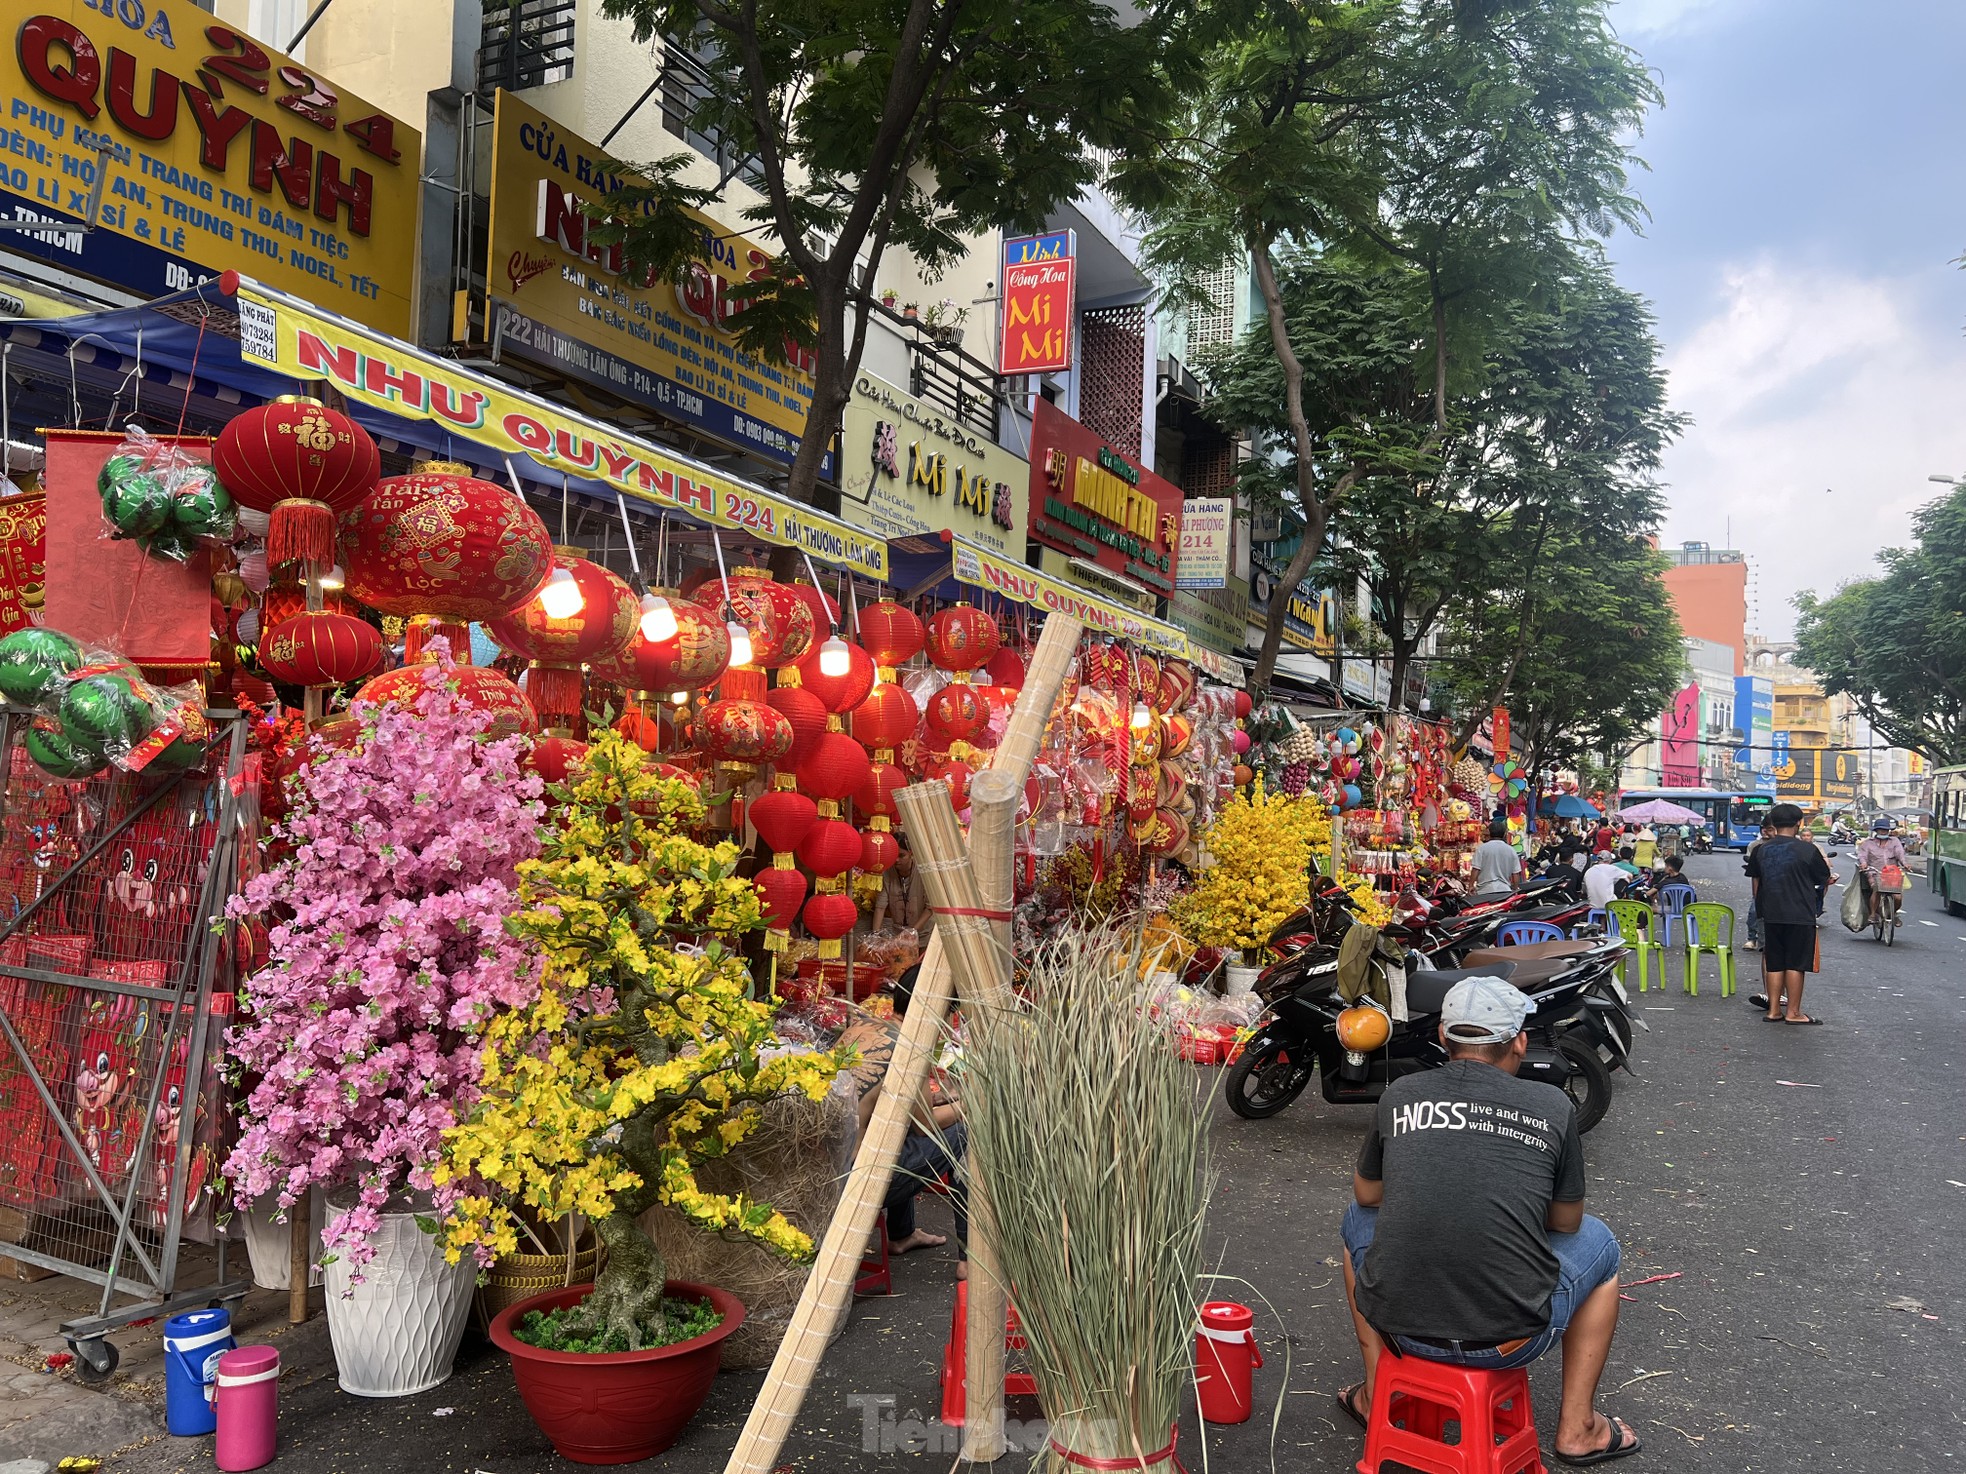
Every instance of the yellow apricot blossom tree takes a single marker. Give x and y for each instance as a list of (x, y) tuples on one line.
[(644, 1054), (1263, 847)]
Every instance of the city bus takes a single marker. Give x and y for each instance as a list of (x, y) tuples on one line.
[(1945, 857), (1732, 816)]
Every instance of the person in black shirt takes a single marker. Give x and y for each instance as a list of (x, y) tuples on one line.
[(1790, 877), (1467, 1240)]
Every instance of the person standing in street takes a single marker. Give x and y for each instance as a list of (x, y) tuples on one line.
[(1498, 868), (1789, 875), (1645, 847)]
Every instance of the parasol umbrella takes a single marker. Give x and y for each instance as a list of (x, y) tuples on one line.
[(1570, 806), (1661, 811)]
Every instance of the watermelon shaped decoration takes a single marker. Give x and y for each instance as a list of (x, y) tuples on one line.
[(34, 664)]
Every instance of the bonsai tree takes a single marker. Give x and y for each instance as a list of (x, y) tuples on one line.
[(389, 955), (643, 1054)]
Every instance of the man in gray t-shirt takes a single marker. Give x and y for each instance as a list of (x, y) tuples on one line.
[(1467, 1240), (1498, 868)]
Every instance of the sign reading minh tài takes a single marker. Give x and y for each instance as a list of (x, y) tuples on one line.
[(908, 468), (563, 299)]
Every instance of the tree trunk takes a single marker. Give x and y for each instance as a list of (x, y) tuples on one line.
[(832, 387), (628, 1294), (1288, 584)]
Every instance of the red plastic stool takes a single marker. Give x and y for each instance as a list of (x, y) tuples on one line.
[(1413, 1400), (955, 1360), (875, 1276)]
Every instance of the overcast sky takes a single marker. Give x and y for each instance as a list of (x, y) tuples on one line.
[(1807, 187)]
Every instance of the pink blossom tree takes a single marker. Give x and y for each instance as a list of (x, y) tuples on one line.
[(389, 953)]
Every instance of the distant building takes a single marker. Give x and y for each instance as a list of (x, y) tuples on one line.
[(1709, 588)]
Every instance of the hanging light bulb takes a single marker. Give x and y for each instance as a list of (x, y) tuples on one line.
[(561, 597), (835, 657), (334, 578), (1141, 716), (658, 619), (740, 643), (679, 698)]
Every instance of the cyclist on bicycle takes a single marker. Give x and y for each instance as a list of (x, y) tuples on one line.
[(1881, 848)]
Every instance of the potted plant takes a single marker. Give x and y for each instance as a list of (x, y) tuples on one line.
[(1258, 856), (911, 310), (888, 296), (389, 954), (945, 321), (644, 1053)]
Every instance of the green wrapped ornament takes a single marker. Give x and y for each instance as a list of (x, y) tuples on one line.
[(137, 505), (188, 749), (105, 713), (117, 469), (202, 508), (34, 663), (56, 756), (167, 543)]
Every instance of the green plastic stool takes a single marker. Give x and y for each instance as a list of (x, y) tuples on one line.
[(1709, 928), (1633, 920)]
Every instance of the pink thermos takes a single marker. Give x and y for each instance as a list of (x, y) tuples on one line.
[(248, 1407)]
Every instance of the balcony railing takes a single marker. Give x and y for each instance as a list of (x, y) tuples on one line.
[(956, 382), (687, 87), (529, 43)]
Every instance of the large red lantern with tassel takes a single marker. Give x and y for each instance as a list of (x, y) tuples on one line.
[(841, 694), (692, 658), (961, 638), (891, 634), (957, 713), (781, 623), (475, 685), (559, 643), (743, 734), (830, 916), (885, 719), (835, 770), (782, 892), (876, 796), (302, 462), (316, 648), (807, 714), (830, 847), (442, 547)]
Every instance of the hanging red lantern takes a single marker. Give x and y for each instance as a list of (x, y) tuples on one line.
[(830, 916), (1006, 668), (961, 638), (957, 776), (640, 728), (743, 734), (841, 694), (957, 713), (316, 648), (825, 608), (558, 644), (875, 797), (807, 714), (302, 462), (782, 892), (780, 622), (689, 660), (829, 847), (782, 818), (879, 849), (886, 719), (834, 771), (442, 548), (555, 756), (475, 685), (892, 635)]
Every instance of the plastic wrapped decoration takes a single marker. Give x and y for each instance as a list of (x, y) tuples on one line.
[(165, 499), (95, 708)]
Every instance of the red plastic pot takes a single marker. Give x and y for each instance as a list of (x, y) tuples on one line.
[(616, 1407)]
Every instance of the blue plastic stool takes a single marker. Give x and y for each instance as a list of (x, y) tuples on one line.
[(1522, 933)]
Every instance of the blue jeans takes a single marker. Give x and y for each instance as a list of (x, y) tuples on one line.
[(922, 1161), (1584, 1260)]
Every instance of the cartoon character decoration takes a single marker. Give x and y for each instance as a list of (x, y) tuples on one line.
[(148, 885), (107, 1116), (170, 1126)]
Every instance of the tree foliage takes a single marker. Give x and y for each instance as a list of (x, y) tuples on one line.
[(1896, 644)]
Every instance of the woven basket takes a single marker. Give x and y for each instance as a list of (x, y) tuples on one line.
[(516, 1277)]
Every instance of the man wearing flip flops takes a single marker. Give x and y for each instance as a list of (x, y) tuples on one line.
[(1467, 1241), (1789, 876)]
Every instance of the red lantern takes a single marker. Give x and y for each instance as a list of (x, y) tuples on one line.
[(780, 622), (692, 658), (825, 608), (441, 545), (891, 633), (553, 757), (879, 849), (806, 713), (961, 638), (956, 713), (558, 646), (302, 462), (1006, 668), (885, 719), (744, 734), (957, 776), (282, 601), (783, 816), (475, 685), (782, 891), (640, 728), (320, 649), (834, 771), (830, 916), (829, 847), (876, 795), (841, 694)]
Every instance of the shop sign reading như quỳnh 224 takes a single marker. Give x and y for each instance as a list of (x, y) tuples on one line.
[(221, 155), (908, 468), (563, 299), (1091, 501)]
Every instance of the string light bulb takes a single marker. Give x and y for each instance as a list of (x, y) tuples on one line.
[(561, 597), (835, 657), (658, 619), (740, 643), (334, 578), (1141, 716), (679, 698)]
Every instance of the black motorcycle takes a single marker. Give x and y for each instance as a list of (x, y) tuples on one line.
[(1579, 1031)]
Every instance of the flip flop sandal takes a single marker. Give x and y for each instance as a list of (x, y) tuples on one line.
[(1347, 1400), (1621, 1445), (1771, 1018), (1802, 1023)]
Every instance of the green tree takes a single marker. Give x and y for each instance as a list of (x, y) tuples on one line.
[(1896, 644), (910, 124)]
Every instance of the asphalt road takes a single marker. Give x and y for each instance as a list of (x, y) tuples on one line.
[(1807, 1188)]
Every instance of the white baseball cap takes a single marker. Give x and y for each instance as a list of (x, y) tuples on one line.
[(1484, 1010)]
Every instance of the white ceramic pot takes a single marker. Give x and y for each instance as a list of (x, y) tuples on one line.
[(397, 1332), (1241, 980), (269, 1245)]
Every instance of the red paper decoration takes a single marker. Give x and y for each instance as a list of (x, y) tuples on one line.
[(829, 847), (879, 849), (807, 714), (640, 728), (780, 622), (1178, 732), (836, 769), (876, 795), (597, 631), (892, 635), (783, 816), (886, 719), (305, 464), (961, 638), (825, 608), (692, 658), (475, 685), (957, 713), (1006, 668), (1177, 686), (830, 916), (743, 733), (316, 648), (841, 694), (782, 892)]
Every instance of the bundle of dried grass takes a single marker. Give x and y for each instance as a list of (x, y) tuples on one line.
[(795, 1159), (1091, 1139)]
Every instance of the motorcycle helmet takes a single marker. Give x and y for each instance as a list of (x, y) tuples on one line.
[(1363, 1028)]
